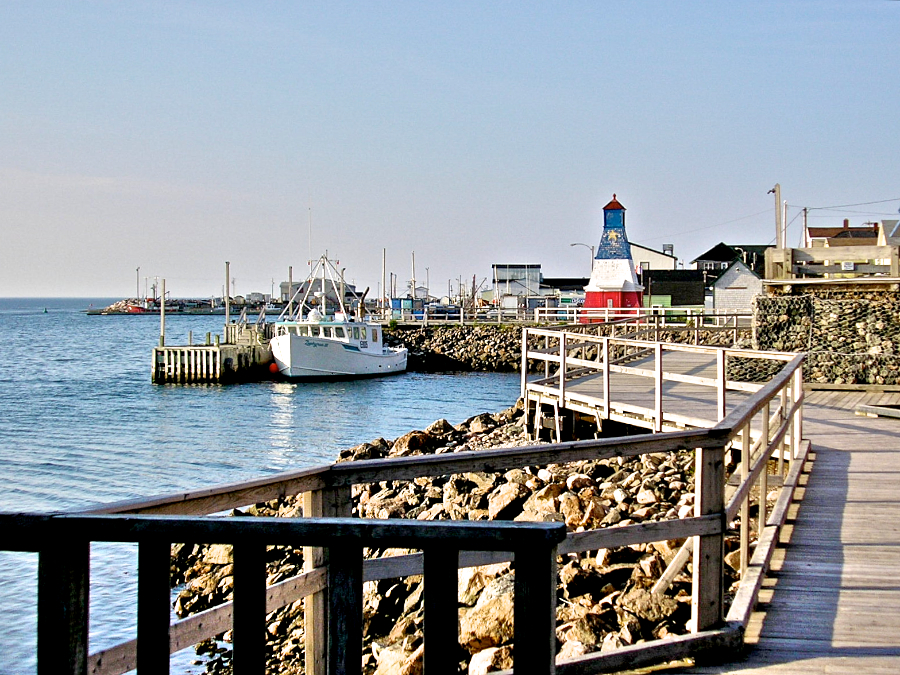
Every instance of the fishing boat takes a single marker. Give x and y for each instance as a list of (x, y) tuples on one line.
[(316, 338)]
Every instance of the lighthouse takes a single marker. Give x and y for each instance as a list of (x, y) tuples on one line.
[(614, 282)]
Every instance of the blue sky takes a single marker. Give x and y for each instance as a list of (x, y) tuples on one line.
[(177, 135)]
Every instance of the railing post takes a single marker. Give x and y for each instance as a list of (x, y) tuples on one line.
[(745, 505), (658, 382), (345, 591), (331, 502), (63, 593), (782, 447), (606, 376), (546, 362), (797, 394), (524, 366), (720, 387), (249, 607), (534, 612), (562, 369), (709, 499), (441, 613), (764, 475), (153, 607)]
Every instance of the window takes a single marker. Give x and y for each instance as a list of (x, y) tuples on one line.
[(356, 332), (363, 332), (374, 335), (326, 331), (314, 331), (339, 332)]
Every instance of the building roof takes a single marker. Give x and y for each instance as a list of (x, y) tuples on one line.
[(753, 255), (647, 248), (739, 267), (614, 204), (565, 283), (846, 231)]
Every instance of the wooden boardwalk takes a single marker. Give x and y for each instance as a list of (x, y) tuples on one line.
[(831, 603)]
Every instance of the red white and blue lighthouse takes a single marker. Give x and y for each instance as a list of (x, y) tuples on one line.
[(614, 282)]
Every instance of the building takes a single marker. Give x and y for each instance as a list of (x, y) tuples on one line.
[(736, 287), (614, 282), (830, 237), (516, 279), (646, 258), (674, 288), (719, 258)]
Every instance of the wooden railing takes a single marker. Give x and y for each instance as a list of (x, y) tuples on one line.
[(63, 543), (674, 316), (766, 425), (569, 356)]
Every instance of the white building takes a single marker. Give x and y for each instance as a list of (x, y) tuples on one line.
[(736, 287), (650, 259)]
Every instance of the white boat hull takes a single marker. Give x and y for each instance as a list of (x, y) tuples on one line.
[(302, 357)]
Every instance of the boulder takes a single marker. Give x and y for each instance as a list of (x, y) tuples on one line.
[(491, 660), (505, 503), (488, 624)]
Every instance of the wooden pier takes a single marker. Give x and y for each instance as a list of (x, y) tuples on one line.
[(243, 356)]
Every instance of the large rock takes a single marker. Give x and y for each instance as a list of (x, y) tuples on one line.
[(415, 442), (505, 503), (491, 660), (645, 605), (488, 624)]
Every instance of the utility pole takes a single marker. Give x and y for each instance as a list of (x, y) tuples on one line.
[(779, 216), (227, 287)]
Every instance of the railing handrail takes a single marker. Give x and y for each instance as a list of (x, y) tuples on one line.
[(30, 531)]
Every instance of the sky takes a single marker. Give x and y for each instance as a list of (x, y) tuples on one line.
[(175, 136)]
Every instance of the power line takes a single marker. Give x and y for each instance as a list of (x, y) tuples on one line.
[(707, 227), (843, 206)]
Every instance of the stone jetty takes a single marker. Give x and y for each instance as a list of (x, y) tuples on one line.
[(605, 598)]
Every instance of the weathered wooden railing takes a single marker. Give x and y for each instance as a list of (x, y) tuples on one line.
[(761, 432), (63, 544), (565, 358), (704, 318)]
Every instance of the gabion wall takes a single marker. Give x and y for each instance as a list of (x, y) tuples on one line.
[(852, 337)]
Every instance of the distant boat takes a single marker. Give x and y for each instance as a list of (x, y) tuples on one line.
[(312, 344)]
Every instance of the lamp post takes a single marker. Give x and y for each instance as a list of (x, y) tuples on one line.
[(586, 246)]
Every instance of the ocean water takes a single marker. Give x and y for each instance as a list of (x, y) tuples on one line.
[(81, 424)]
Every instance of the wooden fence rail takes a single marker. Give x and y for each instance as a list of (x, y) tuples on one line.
[(64, 586), (768, 424)]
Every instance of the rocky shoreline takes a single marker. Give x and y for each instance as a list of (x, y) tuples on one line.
[(604, 596), (498, 347)]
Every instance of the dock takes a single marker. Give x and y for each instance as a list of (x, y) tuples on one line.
[(243, 356)]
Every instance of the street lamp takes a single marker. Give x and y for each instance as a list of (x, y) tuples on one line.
[(586, 246)]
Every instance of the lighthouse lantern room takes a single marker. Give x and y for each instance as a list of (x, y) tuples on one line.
[(614, 282)]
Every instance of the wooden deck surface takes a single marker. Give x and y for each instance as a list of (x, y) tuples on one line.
[(680, 398), (832, 601)]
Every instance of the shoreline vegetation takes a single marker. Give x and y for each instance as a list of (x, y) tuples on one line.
[(605, 599)]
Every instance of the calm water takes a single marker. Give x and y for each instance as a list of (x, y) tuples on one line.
[(80, 423)]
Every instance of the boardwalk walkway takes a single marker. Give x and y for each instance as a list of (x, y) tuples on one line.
[(832, 601)]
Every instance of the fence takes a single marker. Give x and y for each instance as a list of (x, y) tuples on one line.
[(766, 425)]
